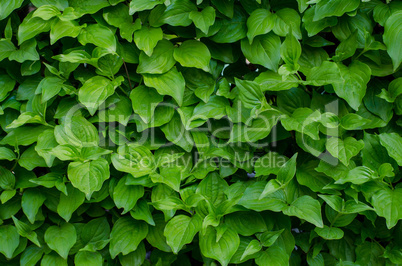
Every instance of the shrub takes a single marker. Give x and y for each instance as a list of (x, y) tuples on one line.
[(211, 131)]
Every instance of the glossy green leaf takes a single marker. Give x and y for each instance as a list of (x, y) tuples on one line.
[(391, 211), (96, 90), (221, 249), (88, 177), (8, 7), (344, 149), (393, 143), (171, 83), (265, 50), (61, 238), (181, 230), (260, 22), (204, 19), (193, 54), (126, 235), (392, 36), (126, 196), (355, 77), (161, 60), (146, 39), (306, 208), (32, 200), (9, 241), (98, 35), (328, 8)]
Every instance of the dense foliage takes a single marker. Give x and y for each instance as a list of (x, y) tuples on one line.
[(200, 131)]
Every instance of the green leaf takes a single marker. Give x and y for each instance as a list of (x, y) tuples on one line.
[(346, 48), (135, 160), (26, 52), (223, 248), (353, 121), (358, 175), (30, 27), (31, 255), (53, 259), (98, 35), (251, 199), (9, 241), (46, 141), (270, 163), (95, 234), (134, 258), (212, 187), (155, 236), (193, 53), (392, 37), (141, 211), (326, 73), (77, 131), (64, 28), (247, 250), (61, 238), (260, 22), (329, 8), (118, 16), (7, 154), (203, 20), (25, 231), (30, 159), (287, 171), (171, 83), (241, 221), (180, 230), (231, 30), (88, 258), (177, 13), (271, 81), (355, 78), (287, 20), (70, 202), (344, 149), (393, 143), (275, 255), (141, 5), (161, 60), (394, 90), (250, 93), (126, 196), (7, 84), (6, 48), (50, 87), (126, 235), (329, 233), (46, 12), (25, 118), (303, 120), (7, 179), (291, 51), (144, 101), (259, 128), (306, 208), (88, 176), (265, 50), (392, 211), (268, 238), (146, 39), (313, 26), (32, 200), (99, 86), (6, 8)]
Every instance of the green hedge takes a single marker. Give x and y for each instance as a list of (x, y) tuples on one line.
[(200, 131)]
